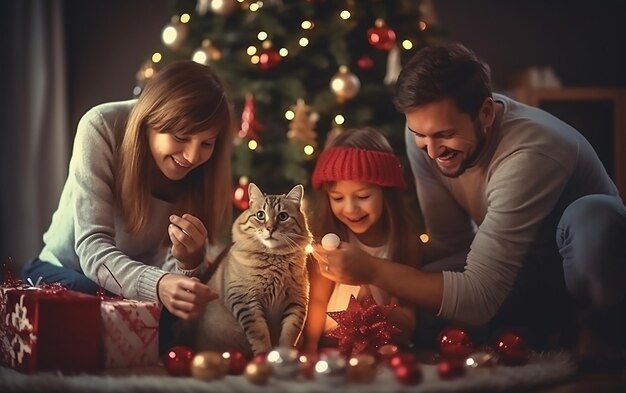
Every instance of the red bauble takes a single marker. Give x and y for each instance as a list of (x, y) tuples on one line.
[(268, 58), (260, 357), (449, 369), (408, 373), (365, 62), (402, 359), (178, 361), (241, 197), (512, 349), (381, 36), (455, 343), (236, 361)]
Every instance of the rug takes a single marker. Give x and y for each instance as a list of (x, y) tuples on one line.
[(542, 370)]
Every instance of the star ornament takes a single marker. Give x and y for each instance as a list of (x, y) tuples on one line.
[(363, 326)]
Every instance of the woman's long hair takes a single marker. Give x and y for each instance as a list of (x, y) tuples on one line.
[(183, 98)]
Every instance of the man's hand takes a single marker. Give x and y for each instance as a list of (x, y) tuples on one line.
[(188, 235), (185, 297), (346, 264)]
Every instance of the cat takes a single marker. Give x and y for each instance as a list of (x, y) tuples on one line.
[(262, 280)]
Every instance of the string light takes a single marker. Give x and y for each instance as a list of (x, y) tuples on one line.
[(283, 52), (289, 115), (345, 15), (156, 57), (252, 145), (421, 25), (262, 36), (339, 119), (307, 25), (424, 238), (407, 44), (255, 59), (185, 18), (309, 150), (251, 50), (303, 42)]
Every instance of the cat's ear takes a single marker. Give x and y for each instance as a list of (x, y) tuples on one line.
[(254, 192), (296, 193)]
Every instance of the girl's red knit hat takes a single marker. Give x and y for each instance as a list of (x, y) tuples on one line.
[(350, 163)]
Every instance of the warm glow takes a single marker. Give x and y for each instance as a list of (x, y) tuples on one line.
[(345, 14), (169, 35), (283, 52), (339, 119), (254, 7), (289, 115), (262, 36), (421, 25), (309, 150), (252, 145), (156, 57), (303, 42), (255, 59), (200, 57), (307, 25), (424, 238), (321, 366), (185, 18), (251, 50), (148, 72), (407, 44)]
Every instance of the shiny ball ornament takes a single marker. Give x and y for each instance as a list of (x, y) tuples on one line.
[(307, 365), (224, 7), (268, 57), (365, 63), (380, 36), (455, 343), (408, 374), (285, 362), (512, 349), (401, 359), (208, 365), (331, 367), (361, 368), (258, 372), (386, 352), (236, 362), (480, 359), (330, 241), (178, 361), (450, 368), (344, 84), (241, 195)]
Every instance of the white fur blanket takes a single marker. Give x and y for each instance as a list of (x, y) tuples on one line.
[(543, 369)]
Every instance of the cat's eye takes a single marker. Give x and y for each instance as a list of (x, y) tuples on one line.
[(282, 216), (260, 215)]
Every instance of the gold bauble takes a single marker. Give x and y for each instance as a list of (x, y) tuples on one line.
[(208, 365), (345, 84), (258, 372)]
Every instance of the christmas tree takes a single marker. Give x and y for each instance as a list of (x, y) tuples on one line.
[(299, 71)]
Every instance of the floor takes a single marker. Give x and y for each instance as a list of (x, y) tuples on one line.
[(596, 382)]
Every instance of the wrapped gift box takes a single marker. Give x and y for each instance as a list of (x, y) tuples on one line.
[(49, 328), (131, 333)]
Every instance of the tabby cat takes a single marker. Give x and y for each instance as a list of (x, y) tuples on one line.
[(262, 281)]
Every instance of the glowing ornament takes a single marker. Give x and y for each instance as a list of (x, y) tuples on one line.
[(178, 361), (241, 196), (268, 56), (380, 36), (208, 365), (330, 241), (250, 126), (345, 84), (331, 367), (284, 361)]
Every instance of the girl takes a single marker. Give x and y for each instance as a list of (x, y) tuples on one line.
[(147, 191), (361, 184)]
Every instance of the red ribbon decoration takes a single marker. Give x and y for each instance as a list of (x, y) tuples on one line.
[(363, 326)]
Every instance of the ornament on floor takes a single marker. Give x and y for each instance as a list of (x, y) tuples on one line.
[(455, 343), (178, 361), (284, 361), (250, 126), (331, 367), (409, 373), (302, 126), (381, 36), (362, 368), (175, 33), (208, 366), (393, 65), (236, 362), (512, 349), (481, 359), (241, 195), (344, 84), (258, 371), (450, 368), (363, 326)]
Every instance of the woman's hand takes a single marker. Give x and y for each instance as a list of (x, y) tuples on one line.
[(185, 297), (188, 236)]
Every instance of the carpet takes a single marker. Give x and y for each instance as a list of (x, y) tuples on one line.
[(543, 369)]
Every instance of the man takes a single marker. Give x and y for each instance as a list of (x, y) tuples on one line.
[(526, 228)]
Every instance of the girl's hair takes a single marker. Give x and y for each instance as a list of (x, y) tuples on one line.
[(397, 224), (443, 71), (183, 98)]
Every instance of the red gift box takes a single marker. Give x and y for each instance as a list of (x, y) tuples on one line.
[(131, 333), (49, 328)]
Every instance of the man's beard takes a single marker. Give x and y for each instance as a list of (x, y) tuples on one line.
[(471, 159)]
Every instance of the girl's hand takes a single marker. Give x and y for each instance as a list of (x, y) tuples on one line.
[(185, 297), (347, 264), (188, 236)]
